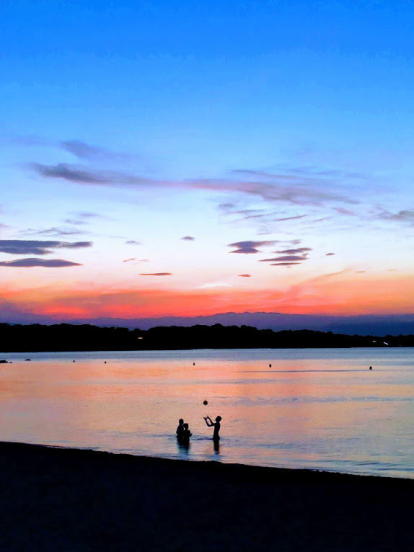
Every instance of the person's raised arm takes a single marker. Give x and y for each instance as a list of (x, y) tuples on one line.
[(209, 422)]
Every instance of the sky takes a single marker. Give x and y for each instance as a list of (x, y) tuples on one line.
[(196, 158)]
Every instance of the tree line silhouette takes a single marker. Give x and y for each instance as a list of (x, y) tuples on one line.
[(86, 337)]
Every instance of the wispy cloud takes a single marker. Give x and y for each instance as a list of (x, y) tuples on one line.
[(284, 188), (157, 274), (87, 176), (284, 264), (188, 238), (227, 207), (78, 148), (277, 188), (134, 260), (133, 242), (35, 247), (268, 220), (88, 215), (53, 231), (290, 218), (294, 251), (248, 214), (82, 150), (82, 218), (343, 211), (76, 222), (316, 171), (244, 275), (34, 262), (249, 247), (401, 216)]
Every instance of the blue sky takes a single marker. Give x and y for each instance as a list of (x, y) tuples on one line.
[(265, 79)]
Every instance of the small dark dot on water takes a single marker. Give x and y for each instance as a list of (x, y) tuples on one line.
[(270, 365), (370, 367), (193, 363)]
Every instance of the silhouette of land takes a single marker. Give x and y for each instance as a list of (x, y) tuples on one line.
[(61, 499), (85, 337)]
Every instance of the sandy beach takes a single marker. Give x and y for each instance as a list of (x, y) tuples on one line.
[(77, 500)]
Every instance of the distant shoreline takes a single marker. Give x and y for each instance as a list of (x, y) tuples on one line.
[(70, 499), (191, 349), (82, 338)]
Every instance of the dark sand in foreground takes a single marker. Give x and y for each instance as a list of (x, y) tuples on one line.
[(62, 499)]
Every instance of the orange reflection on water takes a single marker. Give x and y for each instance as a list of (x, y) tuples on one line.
[(318, 411)]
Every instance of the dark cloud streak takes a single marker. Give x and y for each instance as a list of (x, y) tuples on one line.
[(82, 175), (285, 264), (34, 262), (294, 251), (285, 258), (249, 247), (35, 247), (157, 274), (290, 218)]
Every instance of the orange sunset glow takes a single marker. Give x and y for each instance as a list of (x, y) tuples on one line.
[(358, 295)]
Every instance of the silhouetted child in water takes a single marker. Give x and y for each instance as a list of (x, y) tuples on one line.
[(216, 425), (186, 436), (180, 430)]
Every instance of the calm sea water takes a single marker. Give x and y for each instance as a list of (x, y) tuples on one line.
[(318, 409)]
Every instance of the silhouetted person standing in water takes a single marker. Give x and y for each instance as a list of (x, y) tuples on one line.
[(180, 430), (216, 425), (186, 436)]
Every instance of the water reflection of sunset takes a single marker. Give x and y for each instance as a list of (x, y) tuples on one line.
[(312, 410)]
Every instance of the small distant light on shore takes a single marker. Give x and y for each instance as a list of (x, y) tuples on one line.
[(140, 337)]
